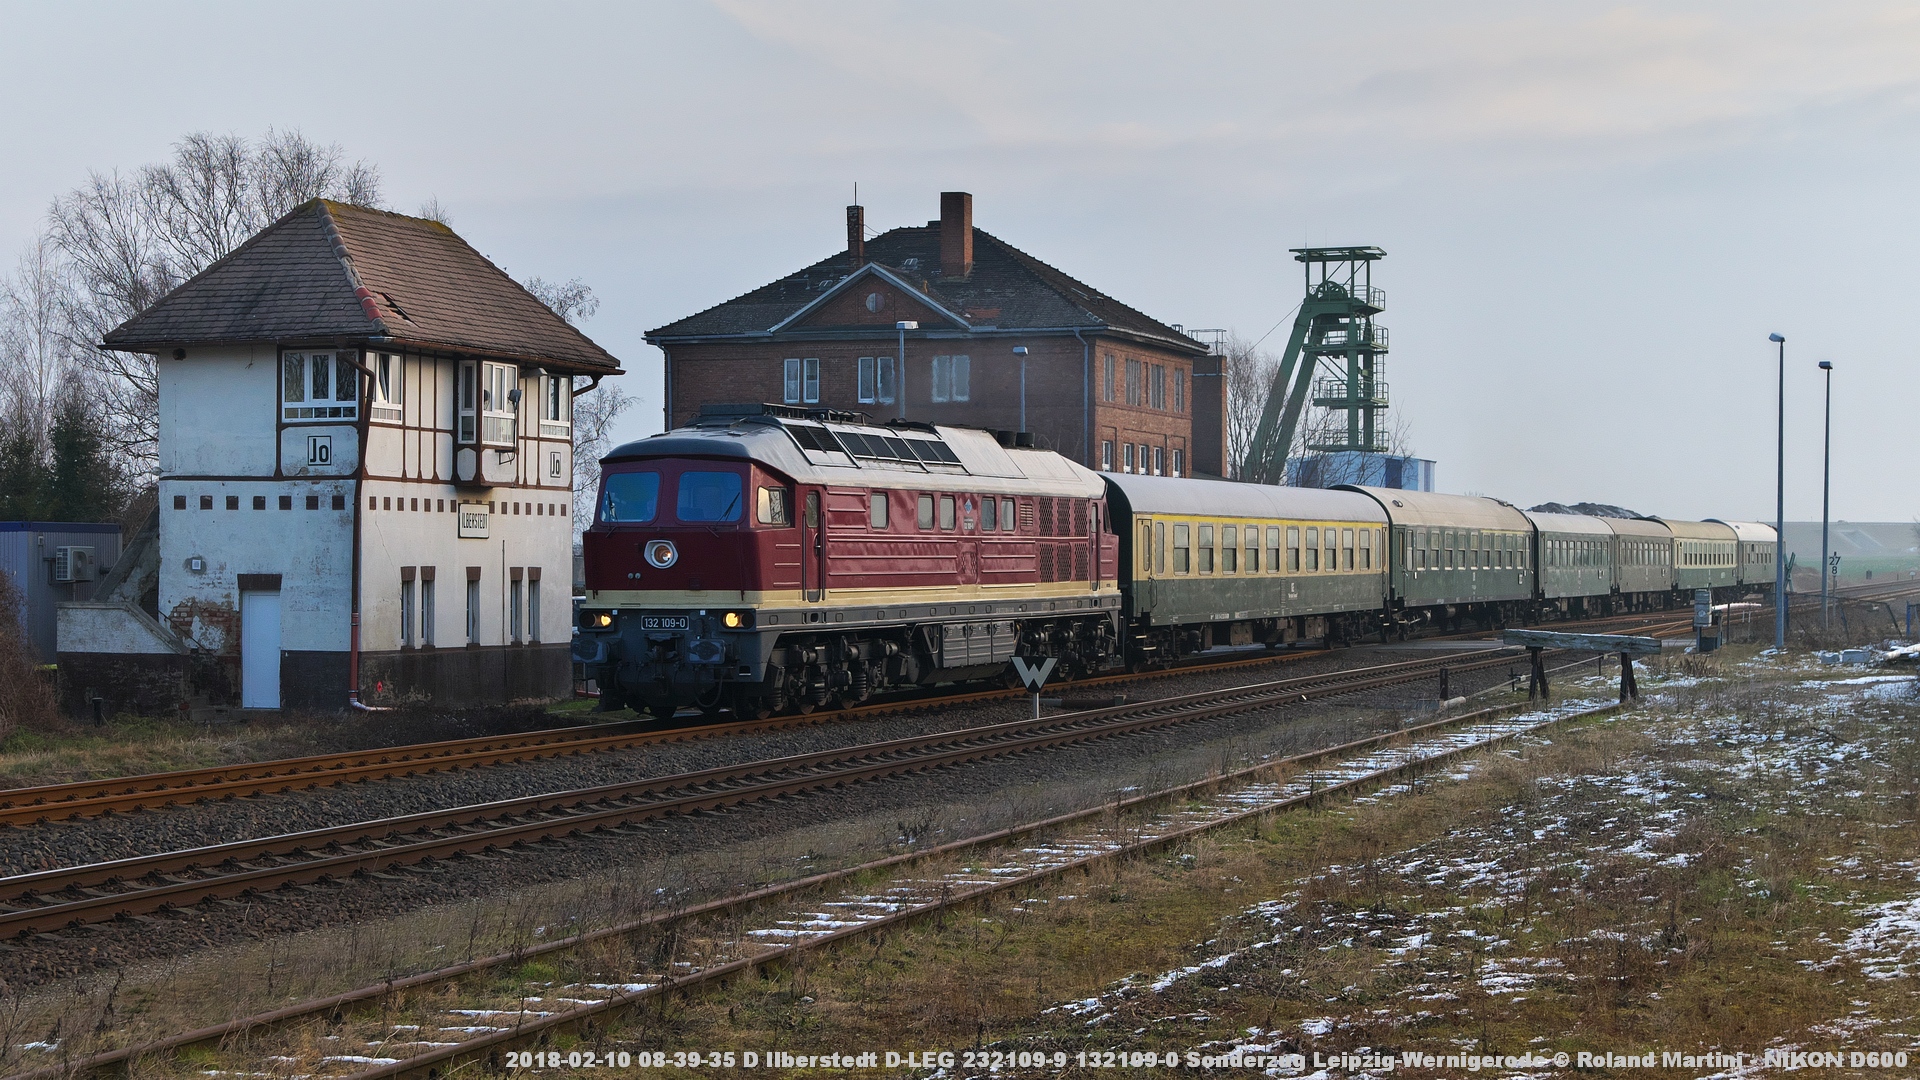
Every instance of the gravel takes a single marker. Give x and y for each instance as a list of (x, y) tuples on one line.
[(1005, 790)]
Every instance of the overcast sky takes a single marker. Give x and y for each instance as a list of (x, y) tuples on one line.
[(1594, 214)]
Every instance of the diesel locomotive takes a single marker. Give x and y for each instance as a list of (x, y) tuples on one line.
[(769, 558)]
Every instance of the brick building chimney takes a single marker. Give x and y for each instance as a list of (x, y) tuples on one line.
[(857, 234), (956, 234)]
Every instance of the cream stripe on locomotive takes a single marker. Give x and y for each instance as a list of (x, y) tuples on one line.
[(1022, 592), (1183, 545)]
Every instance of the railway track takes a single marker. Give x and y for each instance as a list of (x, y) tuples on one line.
[(771, 924), (151, 791), (53, 900)]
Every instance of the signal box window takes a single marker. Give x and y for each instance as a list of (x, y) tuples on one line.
[(630, 497), (770, 506), (1006, 515), (946, 511), (499, 412), (988, 519), (389, 387), (318, 386), (877, 510), (924, 512), (708, 497), (467, 401), (1181, 558)]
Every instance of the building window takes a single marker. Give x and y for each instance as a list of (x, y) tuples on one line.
[(473, 605), (1126, 458), (533, 604), (499, 410), (1179, 463), (286, 502), (802, 379), (1133, 382), (556, 407), (260, 502), (389, 387), (515, 591), (406, 607), (952, 378), (319, 386), (233, 502), (1159, 461), (876, 379), (467, 398), (426, 607), (1181, 549), (1110, 388), (1143, 458), (1157, 388), (1106, 455), (1179, 390)]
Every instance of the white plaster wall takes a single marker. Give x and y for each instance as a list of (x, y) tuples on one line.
[(386, 455), (391, 539), (343, 442), (217, 411), (101, 627), (312, 550)]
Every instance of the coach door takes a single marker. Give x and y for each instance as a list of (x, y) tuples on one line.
[(813, 550)]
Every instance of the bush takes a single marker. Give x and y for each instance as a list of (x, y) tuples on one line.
[(26, 700)]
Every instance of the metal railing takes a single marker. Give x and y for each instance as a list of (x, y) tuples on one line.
[(1366, 335)]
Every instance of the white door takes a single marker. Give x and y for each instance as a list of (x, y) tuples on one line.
[(260, 650)]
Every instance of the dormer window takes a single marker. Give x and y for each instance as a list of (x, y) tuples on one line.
[(319, 386)]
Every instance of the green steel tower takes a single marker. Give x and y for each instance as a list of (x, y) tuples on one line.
[(1335, 354)]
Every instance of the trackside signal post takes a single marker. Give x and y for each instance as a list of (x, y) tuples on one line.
[(1035, 676), (1335, 331), (1628, 647)]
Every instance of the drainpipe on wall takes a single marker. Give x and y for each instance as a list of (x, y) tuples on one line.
[(1086, 394), (353, 604)]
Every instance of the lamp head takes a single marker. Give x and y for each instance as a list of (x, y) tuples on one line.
[(1775, 337), (1019, 350), (1826, 365), (906, 324)]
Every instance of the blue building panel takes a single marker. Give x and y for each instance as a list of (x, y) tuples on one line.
[(28, 550)]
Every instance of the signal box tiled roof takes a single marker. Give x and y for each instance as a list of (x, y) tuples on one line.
[(331, 271), (1007, 290)]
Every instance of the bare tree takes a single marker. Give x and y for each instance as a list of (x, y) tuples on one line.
[(594, 413), (127, 240), (1250, 371), (434, 210), (35, 356)]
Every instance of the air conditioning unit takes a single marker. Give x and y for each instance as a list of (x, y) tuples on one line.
[(72, 564)]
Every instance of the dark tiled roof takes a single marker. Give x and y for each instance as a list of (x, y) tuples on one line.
[(1008, 289), (402, 277)]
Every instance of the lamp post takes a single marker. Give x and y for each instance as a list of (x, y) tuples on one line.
[(1021, 352), (903, 326), (1826, 487), (1780, 510)]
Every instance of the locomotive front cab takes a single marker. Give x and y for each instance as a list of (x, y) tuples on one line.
[(678, 558)]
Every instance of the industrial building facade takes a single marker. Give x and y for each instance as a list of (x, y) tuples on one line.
[(365, 479), (994, 338)]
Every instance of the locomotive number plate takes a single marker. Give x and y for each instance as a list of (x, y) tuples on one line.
[(663, 622)]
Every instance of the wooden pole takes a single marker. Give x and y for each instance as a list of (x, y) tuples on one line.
[(1629, 687), (1537, 681)]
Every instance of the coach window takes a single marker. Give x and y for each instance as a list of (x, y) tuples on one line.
[(946, 511), (1273, 549), (770, 506), (1313, 548), (1181, 560), (1366, 549), (1229, 548), (1206, 549), (1159, 547), (1293, 548), (1006, 515), (924, 515), (1346, 549), (989, 517), (1252, 564), (1332, 537)]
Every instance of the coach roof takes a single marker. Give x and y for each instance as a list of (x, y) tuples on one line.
[(1224, 498), (1423, 508)]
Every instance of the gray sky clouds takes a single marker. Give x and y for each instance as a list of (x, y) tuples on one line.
[(1594, 214)]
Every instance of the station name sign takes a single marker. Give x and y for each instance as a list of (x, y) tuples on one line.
[(473, 521)]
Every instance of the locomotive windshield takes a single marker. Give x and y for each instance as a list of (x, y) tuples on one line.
[(709, 496), (630, 496)]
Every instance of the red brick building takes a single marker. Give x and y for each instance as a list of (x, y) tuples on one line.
[(1103, 383)]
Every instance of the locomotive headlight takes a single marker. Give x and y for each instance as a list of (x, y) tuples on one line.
[(737, 620), (600, 620)]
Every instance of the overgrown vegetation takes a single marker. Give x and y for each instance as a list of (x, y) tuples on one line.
[(26, 696)]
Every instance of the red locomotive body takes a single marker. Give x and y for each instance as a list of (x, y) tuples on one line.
[(770, 557)]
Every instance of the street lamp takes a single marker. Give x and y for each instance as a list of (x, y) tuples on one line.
[(1780, 511), (1826, 485), (903, 326), (1021, 352)]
